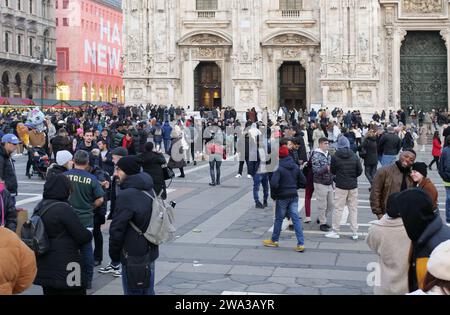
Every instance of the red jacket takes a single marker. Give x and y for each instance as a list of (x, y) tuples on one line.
[(437, 148)]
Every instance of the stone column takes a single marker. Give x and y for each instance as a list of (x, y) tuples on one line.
[(445, 33), (399, 36)]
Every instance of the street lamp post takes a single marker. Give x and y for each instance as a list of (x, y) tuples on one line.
[(42, 58)]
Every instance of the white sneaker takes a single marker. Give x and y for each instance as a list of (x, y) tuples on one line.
[(448, 224), (355, 236), (333, 235), (249, 176), (238, 176), (307, 220)]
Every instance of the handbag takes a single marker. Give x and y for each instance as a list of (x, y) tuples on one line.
[(138, 271), (168, 173)]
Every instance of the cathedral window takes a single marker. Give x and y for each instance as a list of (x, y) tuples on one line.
[(288, 5), (206, 5)]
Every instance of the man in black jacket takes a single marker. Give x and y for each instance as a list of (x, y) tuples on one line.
[(345, 165), (389, 146), (7, 170), (285, 182), (133, 205)]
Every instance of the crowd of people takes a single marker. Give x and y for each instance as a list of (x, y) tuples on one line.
[(105, 162)]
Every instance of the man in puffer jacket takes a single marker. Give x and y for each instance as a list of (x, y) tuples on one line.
[(323, 182), (345, 165), (285, 182)]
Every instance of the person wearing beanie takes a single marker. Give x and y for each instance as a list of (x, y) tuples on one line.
[(284, 185), (388, 239), (67, 236), (419, 175), (346, 167), (134, 205), (323, 182), (425, 229), (64, 162), (437, 279), (391, 179)]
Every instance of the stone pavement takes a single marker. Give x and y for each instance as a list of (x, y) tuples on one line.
[(219, 249)]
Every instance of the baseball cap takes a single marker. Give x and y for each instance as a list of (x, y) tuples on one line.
[(10, 138)]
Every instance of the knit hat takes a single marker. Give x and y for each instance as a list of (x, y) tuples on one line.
[(62, 157), (343, 143), (416, 210), (420, 167), (439, 262), (392, 207), (120, 152), (130, 165), (284, 152)]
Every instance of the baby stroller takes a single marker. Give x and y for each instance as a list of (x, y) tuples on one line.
[(39, 162)]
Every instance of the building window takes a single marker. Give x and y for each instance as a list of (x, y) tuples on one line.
[(31, 6), (30, 46), (63, 91), (206, 5), (65, 22), (19, 44), (19, 5), (7, 43), (7, 3), (65, 4), (61, 60), (57, 22), (286, 5)]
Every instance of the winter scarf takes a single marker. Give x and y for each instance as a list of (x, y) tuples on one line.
[(405, 172)]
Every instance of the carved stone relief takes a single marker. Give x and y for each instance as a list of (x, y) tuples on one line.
[(290, 40), (291, 52), (162, 95), (246, 96), (335, 96), (206, 39), (161, 68), (422, 6), (364, 97)]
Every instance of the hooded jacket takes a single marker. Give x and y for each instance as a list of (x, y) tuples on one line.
[(17, 264), (320, 162), (152, 165), (132, 205), (65, 232), (167, 130), (390, 144), (286, 180), (425, 229), (345, 165), (393, 255), (7, 171), (8, 213), (371, 147)]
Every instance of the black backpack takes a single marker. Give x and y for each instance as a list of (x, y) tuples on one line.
[(33, 232)]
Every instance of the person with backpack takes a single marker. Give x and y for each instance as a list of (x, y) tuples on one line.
[(66, 235), (157, 133), (17, 264), (136, 254), (8, 213)]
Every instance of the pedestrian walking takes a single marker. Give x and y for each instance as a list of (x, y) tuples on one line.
[(7, 169), (388, 239), (423, 137), (346, 168), (166, 135), (86, 196), (8, 212), (64, 163), (389, 146), (444, 172), (323, 183), (216, 153), (152, 164), (369, 153), (125, 243), (17, 264), (437, 150), (391, 179), (284, 185), (67, 235)]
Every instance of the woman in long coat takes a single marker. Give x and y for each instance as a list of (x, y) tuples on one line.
[(178, 160), (423, 137)]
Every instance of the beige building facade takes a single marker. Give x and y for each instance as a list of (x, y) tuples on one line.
[(354, 54)]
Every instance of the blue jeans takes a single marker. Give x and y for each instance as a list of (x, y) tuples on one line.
[(149, 291), (87, 256), (289, 206), (447, 204), (167, 145), (259, 179), (388, 159)]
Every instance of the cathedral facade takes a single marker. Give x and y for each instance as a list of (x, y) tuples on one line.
[(353, 54)]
